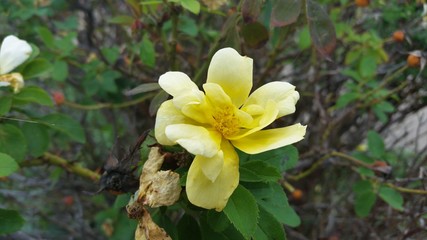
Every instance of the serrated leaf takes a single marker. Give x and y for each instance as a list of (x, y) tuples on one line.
[(242, 211), (12, 142), (147, 52), (272, 198), (375, 144), (36, 68), (10, 221), (268, 227), (285, 12), (258, 171), (60, 71), (5, 104), (392, 197), (362, 186), (37, 138), (34, 94), (8, 165), (191, 5), (322, 30), (66, 125)]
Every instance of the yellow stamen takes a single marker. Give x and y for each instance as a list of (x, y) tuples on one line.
[(226, 121)]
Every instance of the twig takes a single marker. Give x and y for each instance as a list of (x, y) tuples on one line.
[(108, 105), (49, 158)]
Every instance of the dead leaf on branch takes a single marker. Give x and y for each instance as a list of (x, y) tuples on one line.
[(156, 188)]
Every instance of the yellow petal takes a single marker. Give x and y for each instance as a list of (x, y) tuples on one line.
[(195, 139), (211, 167), (199, 112), (282, 93), (269, 115), (216, 95), (15, 80), (166, 115), (13, 52), (265, 140), (202, 192), (180, 86), (233, 73)]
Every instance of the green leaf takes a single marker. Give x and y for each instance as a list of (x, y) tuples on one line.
[(191, 5), (12, 142), (364, 203), (188, 228), (366, 172), (346, 99), (218, 221), (10, 221), (364, 197), (284, 158), (258, 171), (242, 211), (188, 26), (285, 12), (368, 65), (268, 227), (5, 104), (66, 125), (37, 138), (34, 94), (304, 40), (272, 198), (147, 52), (60, 71), (121, 201), (36, 68), (122, 19), (392, 197), (364, 157), (47, 37), (7, 165), (255, 34), (376, 144), (111, 54)]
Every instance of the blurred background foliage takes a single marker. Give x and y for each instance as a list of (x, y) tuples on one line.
[(358, 66)]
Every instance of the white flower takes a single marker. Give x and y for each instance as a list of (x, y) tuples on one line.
[(13, 52)]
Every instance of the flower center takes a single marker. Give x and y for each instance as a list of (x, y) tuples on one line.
[(226, 121)]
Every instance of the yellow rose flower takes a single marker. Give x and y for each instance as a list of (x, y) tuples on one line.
[(13, 52), (210, 124)]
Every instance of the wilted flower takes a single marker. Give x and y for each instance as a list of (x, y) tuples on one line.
[(210, 124), (13, 52)]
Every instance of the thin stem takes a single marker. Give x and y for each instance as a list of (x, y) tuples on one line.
[(108, 105), (49, 158)]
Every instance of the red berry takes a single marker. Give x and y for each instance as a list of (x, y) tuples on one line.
[(58, 97)]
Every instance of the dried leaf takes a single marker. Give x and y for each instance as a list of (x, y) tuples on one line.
[(147, 229), (157, 188)]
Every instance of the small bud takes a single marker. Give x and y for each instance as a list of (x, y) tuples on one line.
[(399, 36), (362, 3), (58, 98)]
